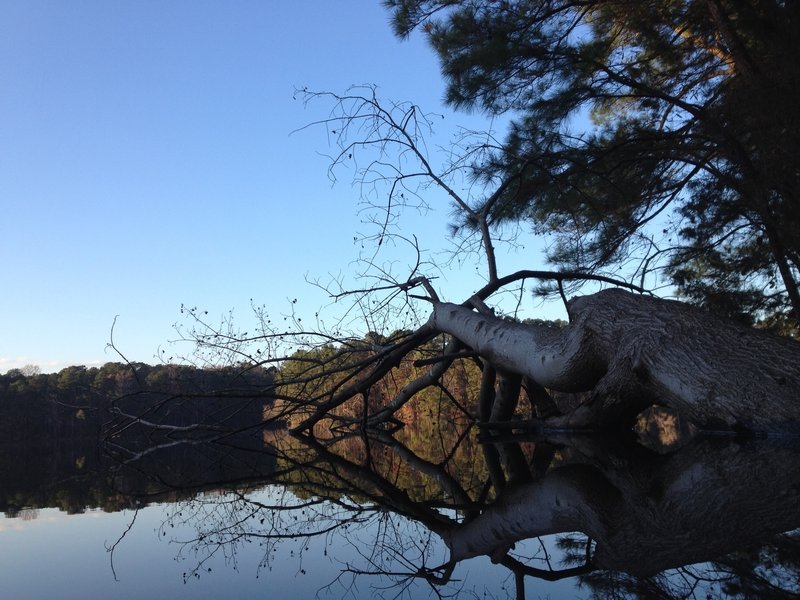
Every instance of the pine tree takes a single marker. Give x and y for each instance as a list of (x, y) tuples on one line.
[(689, 170)]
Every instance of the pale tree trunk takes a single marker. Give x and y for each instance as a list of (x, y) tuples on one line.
[(632, 351)]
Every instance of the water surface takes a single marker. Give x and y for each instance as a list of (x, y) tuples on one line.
[(414, 515)]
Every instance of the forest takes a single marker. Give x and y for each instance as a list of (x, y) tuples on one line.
[(82, 401), (65, 436)]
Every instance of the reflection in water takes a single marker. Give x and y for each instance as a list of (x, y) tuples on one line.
[(399, 514), (621, 520)]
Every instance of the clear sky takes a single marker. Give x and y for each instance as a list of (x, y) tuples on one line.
[(146, 161)]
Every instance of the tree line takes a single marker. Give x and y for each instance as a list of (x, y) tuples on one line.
[(79, 401)]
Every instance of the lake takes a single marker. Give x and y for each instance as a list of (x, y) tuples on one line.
[(417, 514)]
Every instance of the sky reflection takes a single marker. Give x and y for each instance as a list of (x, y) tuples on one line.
[(67, 556)]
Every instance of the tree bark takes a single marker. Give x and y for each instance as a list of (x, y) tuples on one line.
[(632, 351)]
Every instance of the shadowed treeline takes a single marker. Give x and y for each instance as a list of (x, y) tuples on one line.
[(51, 426), (80, 401)]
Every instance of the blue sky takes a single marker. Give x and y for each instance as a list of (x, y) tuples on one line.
[(146, 161)]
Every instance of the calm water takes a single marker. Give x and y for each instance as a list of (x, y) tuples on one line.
[(412, 516), (66, 556)]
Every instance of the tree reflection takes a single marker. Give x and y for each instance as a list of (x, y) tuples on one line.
[(716, 518), (769, 571)]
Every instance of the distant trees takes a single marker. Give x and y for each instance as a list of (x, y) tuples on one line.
[(79, 401)]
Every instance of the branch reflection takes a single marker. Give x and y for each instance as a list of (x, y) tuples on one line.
[(715, 518)]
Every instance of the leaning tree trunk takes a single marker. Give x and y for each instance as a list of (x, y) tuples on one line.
[(632, 351)]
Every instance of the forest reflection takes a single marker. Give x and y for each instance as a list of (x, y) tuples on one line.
[(715, 518)]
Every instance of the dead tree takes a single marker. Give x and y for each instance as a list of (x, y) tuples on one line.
[(623, 349)]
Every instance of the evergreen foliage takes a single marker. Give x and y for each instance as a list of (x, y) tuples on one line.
[(689, 173)]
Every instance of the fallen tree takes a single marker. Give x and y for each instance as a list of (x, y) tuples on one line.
[(623, 350), (628, 351), (621, 353), (632, 351)]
